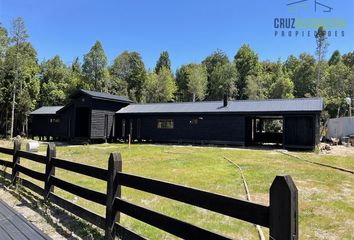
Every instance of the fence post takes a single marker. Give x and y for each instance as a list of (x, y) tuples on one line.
[(15, 161), (49, 170), (283, 210), (113, 191)]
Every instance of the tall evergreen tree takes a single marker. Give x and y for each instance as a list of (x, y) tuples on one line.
[(182, 76), (335, 58), (163, 62), (17, 54), (246, 62), (94, 68)]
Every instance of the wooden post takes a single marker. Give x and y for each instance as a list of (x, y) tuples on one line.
[(129, 140), (113, 191), (15, 161), (49, 170), (283, 210)]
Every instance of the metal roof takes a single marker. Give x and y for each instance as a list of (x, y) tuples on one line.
[(105, 96), (47, 110), (251, 106)]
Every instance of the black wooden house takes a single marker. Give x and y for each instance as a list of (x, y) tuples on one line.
[(88, 116), (228, 122), (292, 123)]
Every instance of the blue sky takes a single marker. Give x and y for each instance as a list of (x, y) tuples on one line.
[(188, 29)]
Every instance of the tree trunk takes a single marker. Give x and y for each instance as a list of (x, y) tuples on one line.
[(193, 97), (13, 111)]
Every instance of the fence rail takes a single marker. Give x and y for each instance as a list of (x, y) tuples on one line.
[(281, 216)]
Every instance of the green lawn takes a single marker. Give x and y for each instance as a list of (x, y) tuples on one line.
[(325, 195)]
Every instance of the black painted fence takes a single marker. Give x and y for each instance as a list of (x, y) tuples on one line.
[(281, 217)]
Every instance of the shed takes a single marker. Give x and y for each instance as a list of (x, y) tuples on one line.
[(292, 123), (88, 116), (45, 122)]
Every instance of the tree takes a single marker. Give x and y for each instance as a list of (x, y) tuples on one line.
[(211, 62), (56, 82), (321, 49), (197, 82), (246, 62), (254, 87), (130, 68), (94, 68), (291, 65), (223, 80), (27, 84), (4, 42), (335, 58), (336, 88), (282, 87), (163, 62), (151, 87), (182, 76), (160, 87), (18, 38), (348, 59), (304, 77)]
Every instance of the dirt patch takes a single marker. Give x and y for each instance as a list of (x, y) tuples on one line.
[(339, 150)]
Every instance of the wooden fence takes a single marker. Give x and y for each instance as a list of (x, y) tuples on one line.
[(281, 216)]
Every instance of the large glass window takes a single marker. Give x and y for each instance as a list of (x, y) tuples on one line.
[(165, 123)]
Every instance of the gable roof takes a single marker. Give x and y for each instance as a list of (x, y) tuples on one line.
[(103, 96), (250, 106), (46, 110)]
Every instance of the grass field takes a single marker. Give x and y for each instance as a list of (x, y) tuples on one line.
[(326, 196)]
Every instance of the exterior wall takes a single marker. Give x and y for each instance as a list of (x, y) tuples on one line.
[(301, 131), (100, 127), (41, 125), (98, 110), (222, 129)]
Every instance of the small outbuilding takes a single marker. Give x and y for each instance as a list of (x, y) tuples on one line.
[(292, 123), (88, 116)]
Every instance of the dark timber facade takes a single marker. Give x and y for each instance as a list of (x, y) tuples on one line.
[(89, 116), (292, 123)]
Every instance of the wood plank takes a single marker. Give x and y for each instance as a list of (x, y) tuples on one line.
[(87, 170), (244, 210), (5, 174), (16, 226), (174, 226), (7, 151), (31, 173), (124, 233), (31, 156), (31, 186), (79, 191), (81, 212), (6, 163)]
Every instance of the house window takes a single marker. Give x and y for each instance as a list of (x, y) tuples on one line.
[(165, 123), (54, 120)]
